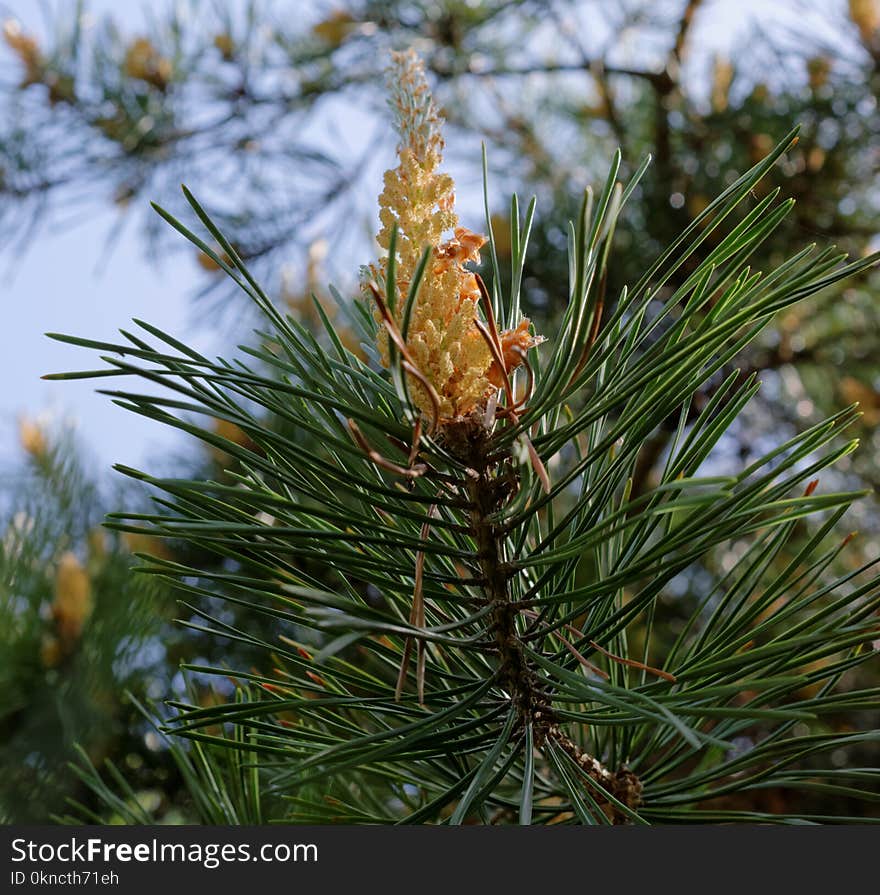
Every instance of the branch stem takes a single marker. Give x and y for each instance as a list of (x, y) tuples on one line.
[(488, 488)]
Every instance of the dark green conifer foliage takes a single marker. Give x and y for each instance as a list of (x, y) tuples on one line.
[(543, 684)]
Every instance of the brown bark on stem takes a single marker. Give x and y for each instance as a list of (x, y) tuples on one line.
[(490, 483)]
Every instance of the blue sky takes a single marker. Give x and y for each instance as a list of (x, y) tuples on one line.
[(62, 284)]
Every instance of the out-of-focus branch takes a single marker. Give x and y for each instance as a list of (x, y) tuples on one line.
[(667, 83), (684, 27)]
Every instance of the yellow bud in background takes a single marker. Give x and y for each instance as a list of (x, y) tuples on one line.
[(818, 69), (32, 438), (206, 262), (501, 234), (233, 432), (27, 49), (722, 78), (137, 542), (226, 45), (73, 599), (144, 63), (852, 391), (298, 295), (865, 15), (335, 28), (815, 158)]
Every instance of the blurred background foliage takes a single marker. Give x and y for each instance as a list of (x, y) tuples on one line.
[(273, 114)]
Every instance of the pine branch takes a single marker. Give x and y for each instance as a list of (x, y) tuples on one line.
[(501, 530)]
